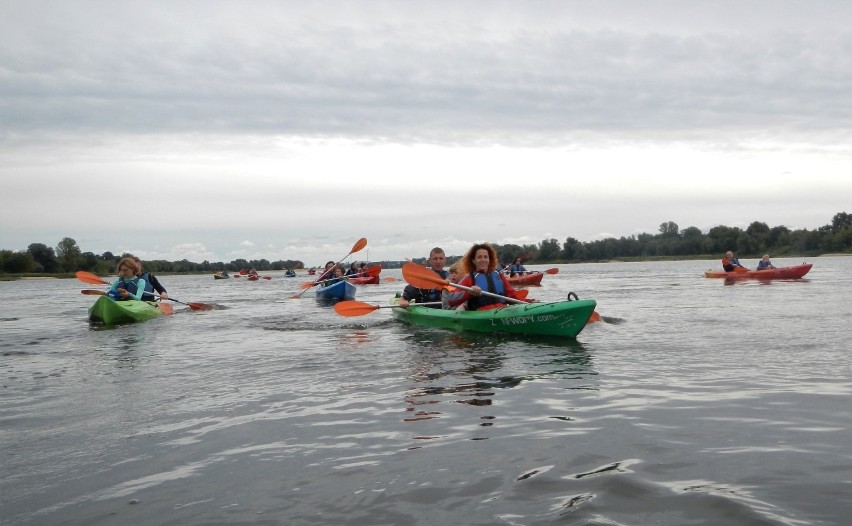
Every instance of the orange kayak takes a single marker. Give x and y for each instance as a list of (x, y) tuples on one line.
[(533, 278), (794, 272)]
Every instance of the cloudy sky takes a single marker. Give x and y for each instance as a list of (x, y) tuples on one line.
[(287, 130)]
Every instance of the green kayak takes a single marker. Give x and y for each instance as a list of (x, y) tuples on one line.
[(562, 318), (110, 312)]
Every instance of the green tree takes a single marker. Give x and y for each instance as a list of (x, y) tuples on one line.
[(724, 238), (548, 250), (16, 262), (668, 229), (759, 233), (44, 257), (840, 221), (692, 240), (69, 254)]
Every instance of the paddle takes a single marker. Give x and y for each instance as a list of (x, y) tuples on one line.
[(373, 271), (359, 308), (361, 243), (423, 278), (551, 271), (192, 306), (88, 277)]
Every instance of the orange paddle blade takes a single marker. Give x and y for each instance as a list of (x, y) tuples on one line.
[(361, 243), (374, 270), (199, 306), (522, 294), (90, 292), (553, 270), (354, 308), (390, 280), (165, 308), (594, 317), (88, 277), (421, 277)]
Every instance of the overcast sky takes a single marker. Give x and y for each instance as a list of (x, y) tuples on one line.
[(216, 130)]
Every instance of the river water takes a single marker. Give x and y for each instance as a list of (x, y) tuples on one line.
[(694, 402)]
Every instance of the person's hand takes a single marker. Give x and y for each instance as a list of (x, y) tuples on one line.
[(164, 295), (403, 303), (475, 291), (123, 293)]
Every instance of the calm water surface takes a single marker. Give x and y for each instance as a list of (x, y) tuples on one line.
[(694, 402)]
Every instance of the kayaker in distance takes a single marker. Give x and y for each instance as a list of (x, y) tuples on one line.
[(353, 270), (128, 286), (730, 263), (437, 259), (517, 268), (480, 265), (764, 263), (151, 283)]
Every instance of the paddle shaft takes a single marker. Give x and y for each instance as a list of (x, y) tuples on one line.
[(426, 304), (507, 299)]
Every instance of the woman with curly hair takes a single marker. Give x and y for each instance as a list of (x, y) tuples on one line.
[(480, 265)]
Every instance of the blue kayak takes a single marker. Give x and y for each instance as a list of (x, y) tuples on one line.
[(342, 290)]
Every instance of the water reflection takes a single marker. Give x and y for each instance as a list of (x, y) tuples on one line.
[(473, 369)]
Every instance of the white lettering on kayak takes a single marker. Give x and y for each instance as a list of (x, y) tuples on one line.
[(522, 320)]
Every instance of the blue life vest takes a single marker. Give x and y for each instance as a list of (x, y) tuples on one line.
[(491, 282), (149, 288), (130, 286)]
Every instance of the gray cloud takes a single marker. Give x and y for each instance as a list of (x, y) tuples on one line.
[(279, 68)]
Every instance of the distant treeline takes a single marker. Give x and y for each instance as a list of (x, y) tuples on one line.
[(671, 241)]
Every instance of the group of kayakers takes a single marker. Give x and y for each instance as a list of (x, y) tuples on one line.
[(732, 264), (476, 272), (335, 272)]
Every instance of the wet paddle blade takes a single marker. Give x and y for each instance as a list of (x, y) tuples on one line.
[(354, 308), (373, 271), (90, 292), (88, 277), (361, 243), (421, 277), (553, 270)]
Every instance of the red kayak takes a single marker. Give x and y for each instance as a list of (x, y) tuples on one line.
[(533, 278), (794, 272), (364, 280)]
